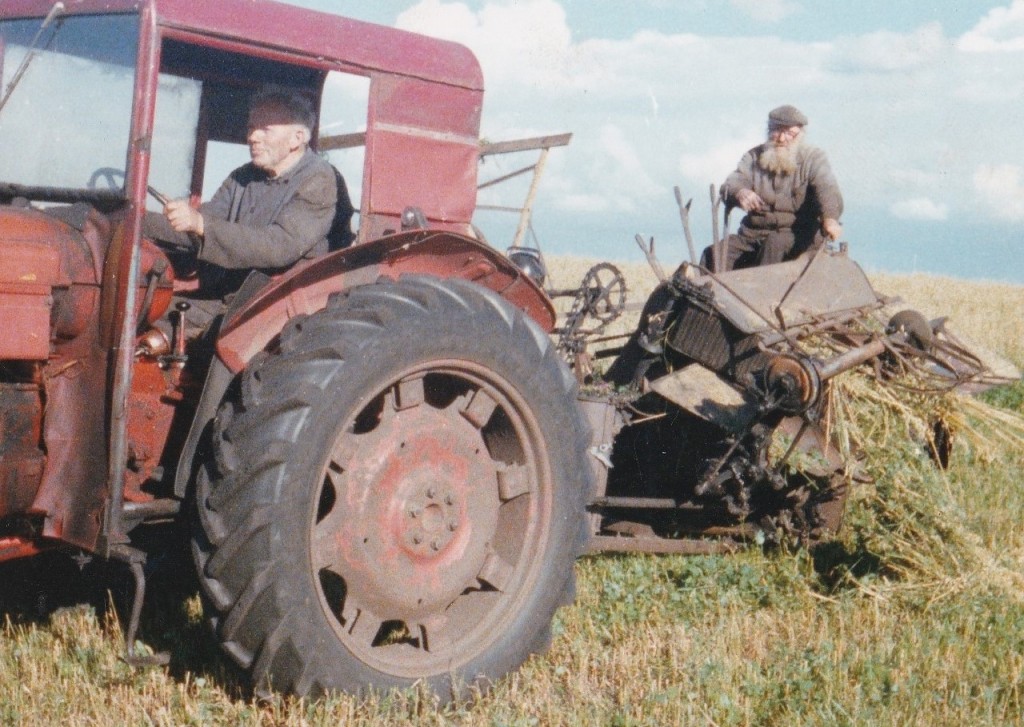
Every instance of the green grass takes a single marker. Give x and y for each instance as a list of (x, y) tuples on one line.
[(914, 616)]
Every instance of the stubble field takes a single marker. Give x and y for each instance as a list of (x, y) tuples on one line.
[(915, 616)]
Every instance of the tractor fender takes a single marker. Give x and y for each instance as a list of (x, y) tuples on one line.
[(305, 290), (259, 310)]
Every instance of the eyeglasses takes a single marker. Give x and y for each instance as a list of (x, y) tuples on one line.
[(785, 132)]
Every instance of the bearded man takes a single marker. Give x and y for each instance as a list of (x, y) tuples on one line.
[(789, 193)]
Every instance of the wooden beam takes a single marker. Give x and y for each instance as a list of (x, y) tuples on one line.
[(341, 141), (506, 177), (524, 216), (348, 141), (537, 142)]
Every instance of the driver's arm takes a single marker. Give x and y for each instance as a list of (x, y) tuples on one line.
[(169, 225), (298, 228), (156, 227)]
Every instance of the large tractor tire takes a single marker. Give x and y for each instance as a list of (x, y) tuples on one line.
[(397, 495)]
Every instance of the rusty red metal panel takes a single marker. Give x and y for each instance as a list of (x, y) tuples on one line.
[(19, 480), (40, 249), (74, 486), (452, 112), (15, 547), (426, 252), (32, 265), (422, 146), (443, 192), (152, 407), (71, 493), (26, 321), (316, 34), (426, 97), (21, 459), (325, 35), (48, 294), (29, 271)]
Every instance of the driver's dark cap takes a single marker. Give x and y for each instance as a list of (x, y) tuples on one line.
[(786, 116), (294, 107)]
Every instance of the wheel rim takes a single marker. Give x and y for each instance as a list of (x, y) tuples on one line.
[(433, 505)]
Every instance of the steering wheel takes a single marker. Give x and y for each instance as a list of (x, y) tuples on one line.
[(114, 179), (111, 176)]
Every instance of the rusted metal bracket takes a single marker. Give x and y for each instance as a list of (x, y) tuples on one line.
[(136, 559)]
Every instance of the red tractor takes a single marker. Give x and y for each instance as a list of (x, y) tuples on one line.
[(381, 458)]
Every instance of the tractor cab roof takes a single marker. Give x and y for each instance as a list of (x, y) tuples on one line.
[(320, 37)]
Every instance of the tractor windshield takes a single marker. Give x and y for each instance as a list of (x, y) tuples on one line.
[(67, 105)]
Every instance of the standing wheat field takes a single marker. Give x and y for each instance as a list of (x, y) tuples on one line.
[(913, 616)]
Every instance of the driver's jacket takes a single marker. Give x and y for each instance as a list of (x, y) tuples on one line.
[(258, 222)]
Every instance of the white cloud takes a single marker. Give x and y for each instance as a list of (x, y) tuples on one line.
[(712, 165), (886, 51), (1002, 29), (919, 208), (527, 40), (623, 169), (766, 10), (439, 19), (656, 110), (1001, 189)]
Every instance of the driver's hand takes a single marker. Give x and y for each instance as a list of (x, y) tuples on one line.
[(832, 229), (183, 218), (750, 201)]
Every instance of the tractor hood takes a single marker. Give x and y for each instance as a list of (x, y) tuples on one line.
[(30, 271), (44, 257)]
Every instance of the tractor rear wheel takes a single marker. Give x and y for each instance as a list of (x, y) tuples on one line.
[(397, 495)]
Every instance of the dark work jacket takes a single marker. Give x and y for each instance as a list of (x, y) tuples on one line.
[(796, 202), (257, 222)]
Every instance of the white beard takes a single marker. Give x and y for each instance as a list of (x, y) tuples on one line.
[(779, 159)]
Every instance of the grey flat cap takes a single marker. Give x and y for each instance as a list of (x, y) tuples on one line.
[(786, 116)]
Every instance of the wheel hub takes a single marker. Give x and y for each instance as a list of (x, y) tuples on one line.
[(422, 500), (434, 515)]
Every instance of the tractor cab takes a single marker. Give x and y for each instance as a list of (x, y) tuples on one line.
[(108, 107)]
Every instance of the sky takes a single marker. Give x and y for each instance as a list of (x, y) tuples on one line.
[(919, 106)]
